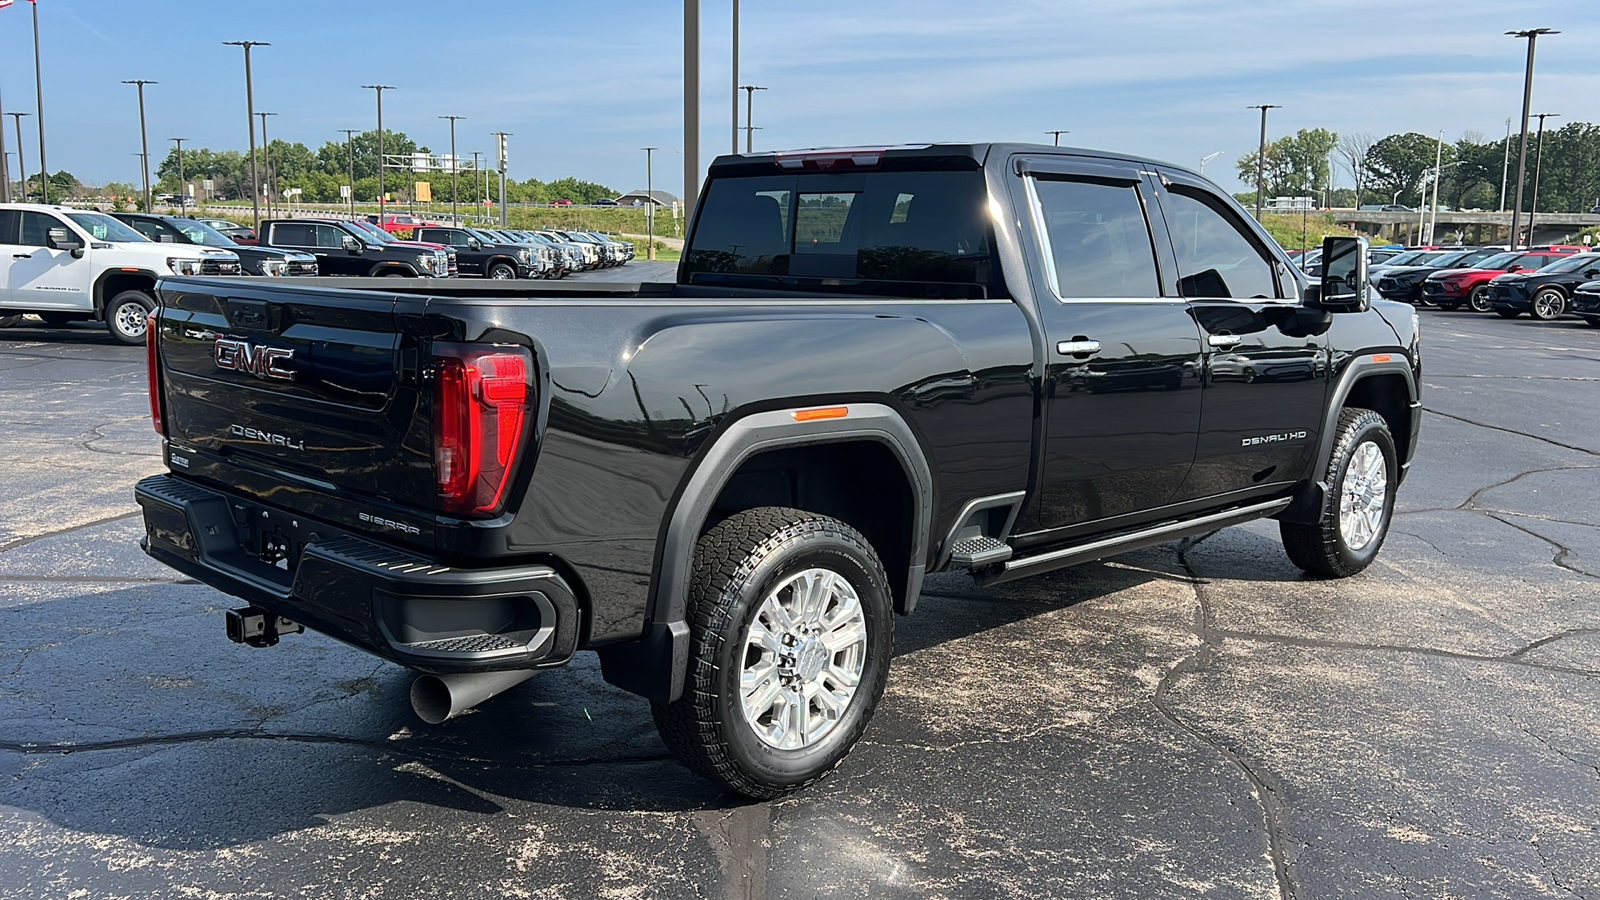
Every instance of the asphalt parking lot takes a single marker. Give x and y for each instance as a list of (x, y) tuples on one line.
[(1197, 719)]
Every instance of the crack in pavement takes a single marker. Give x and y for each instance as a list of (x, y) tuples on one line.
[(1562, 550), (22, 542), (1266, 795), (1512, 431), (67, 748)]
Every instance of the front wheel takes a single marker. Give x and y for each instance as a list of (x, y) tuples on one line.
[(792, 629), (9, 321), (1363, 475), (1548, 304), (128, 316), (502, 272), (1478, 300)]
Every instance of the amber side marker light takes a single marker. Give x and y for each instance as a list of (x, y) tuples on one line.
[(826, 412), (1381, 357)]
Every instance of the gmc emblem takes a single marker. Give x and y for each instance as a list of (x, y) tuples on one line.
[(262, 362)]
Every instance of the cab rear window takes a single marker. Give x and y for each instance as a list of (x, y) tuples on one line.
[(921, 233)]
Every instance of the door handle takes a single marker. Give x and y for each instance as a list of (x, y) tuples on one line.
[(22, 256), (1078, 347), (1223, 340)]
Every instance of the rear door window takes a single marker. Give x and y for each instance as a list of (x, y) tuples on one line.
[(293, 234)]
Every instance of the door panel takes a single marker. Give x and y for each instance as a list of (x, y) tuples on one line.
[(1122, 381), (42, 278), (1266, 355)]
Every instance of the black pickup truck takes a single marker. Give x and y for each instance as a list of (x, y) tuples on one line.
[(874, 363), (343, 248), (480, 254)]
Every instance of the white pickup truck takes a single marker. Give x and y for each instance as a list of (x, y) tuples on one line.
[(65, 265)]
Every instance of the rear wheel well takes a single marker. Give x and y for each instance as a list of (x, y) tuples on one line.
[(1388, 396), (114, 283), (861, 483)]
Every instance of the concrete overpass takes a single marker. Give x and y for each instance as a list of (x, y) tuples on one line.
[(1474, 227)]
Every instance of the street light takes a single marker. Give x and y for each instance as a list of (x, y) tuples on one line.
[(1532, 34), (144, 143), (1538, 163), (649, 204), (250, 119), (38, 88), (266, 152), (736, 77), (183, 185), (22, 164), (1058, 133), (380, 88), (350, 143), (454, 219), (691, 101), (1208, 158), (1261, 155), (749, 108), (5, 159)]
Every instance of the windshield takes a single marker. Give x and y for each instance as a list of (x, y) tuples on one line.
[(373, 231), (1447, 260), (488, 237), (104, 228), (1497, 261), (201, 233), (1572, 263), (1406, 258)]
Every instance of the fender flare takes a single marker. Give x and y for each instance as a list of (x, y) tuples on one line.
[(382, 269), (656, 666), (1308, 500), (98, 292)]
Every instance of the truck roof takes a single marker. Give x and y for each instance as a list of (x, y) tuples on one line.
[(728, 164)]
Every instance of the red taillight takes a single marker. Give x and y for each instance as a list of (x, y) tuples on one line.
[(482, 398), (153, 371)]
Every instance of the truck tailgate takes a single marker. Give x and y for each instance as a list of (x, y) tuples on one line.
[(316, 385)]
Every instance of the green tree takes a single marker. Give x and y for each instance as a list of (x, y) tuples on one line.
[(1295, 165), (1397, 165)]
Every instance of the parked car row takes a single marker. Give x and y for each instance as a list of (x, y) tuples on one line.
[(1545, 282)]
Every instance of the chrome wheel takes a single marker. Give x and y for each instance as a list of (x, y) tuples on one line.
[(502, 273), (1363, 496), (804, 652), (132, 319)]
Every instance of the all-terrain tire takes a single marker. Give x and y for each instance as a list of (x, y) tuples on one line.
[(738, 565), (127, 316), (1330, 547)]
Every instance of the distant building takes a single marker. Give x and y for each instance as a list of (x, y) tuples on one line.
[(642, 197)]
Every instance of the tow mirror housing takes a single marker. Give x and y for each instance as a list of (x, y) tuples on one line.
[(1344, 285), (62, 239), (352, 244)]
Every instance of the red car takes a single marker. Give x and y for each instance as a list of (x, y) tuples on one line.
[(562, 202), (1452, 288), (399, 222)]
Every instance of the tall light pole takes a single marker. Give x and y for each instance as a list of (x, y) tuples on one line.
[(735, 78), (183, 185), (455, 219), (1532, 34), (1505, 166), (1261, 155), (266, 153), (1208, 158), (475, 170), (22, 164), (5, 160), (38, 87), (380, 88), (1058, 133), (144, 143), (749, 111), (500, 144), (250, 119), (650, 204), (691, 102), (1438, 170), (350, 144), (1538, 163)]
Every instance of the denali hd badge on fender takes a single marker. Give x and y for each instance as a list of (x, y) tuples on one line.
[(262, 362)]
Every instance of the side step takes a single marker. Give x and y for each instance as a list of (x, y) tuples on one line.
[(975, 552), (1122, 543)]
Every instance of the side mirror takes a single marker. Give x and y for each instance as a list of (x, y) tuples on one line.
[(62, 239), (474, 244), (1514, 268), (1344, 285), (351, 244)]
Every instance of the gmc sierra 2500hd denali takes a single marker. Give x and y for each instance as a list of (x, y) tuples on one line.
[(874, 363)]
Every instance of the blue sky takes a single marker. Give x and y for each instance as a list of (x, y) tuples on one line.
[(582, 85)]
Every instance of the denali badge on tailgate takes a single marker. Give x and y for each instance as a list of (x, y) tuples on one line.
[(262, 362)]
